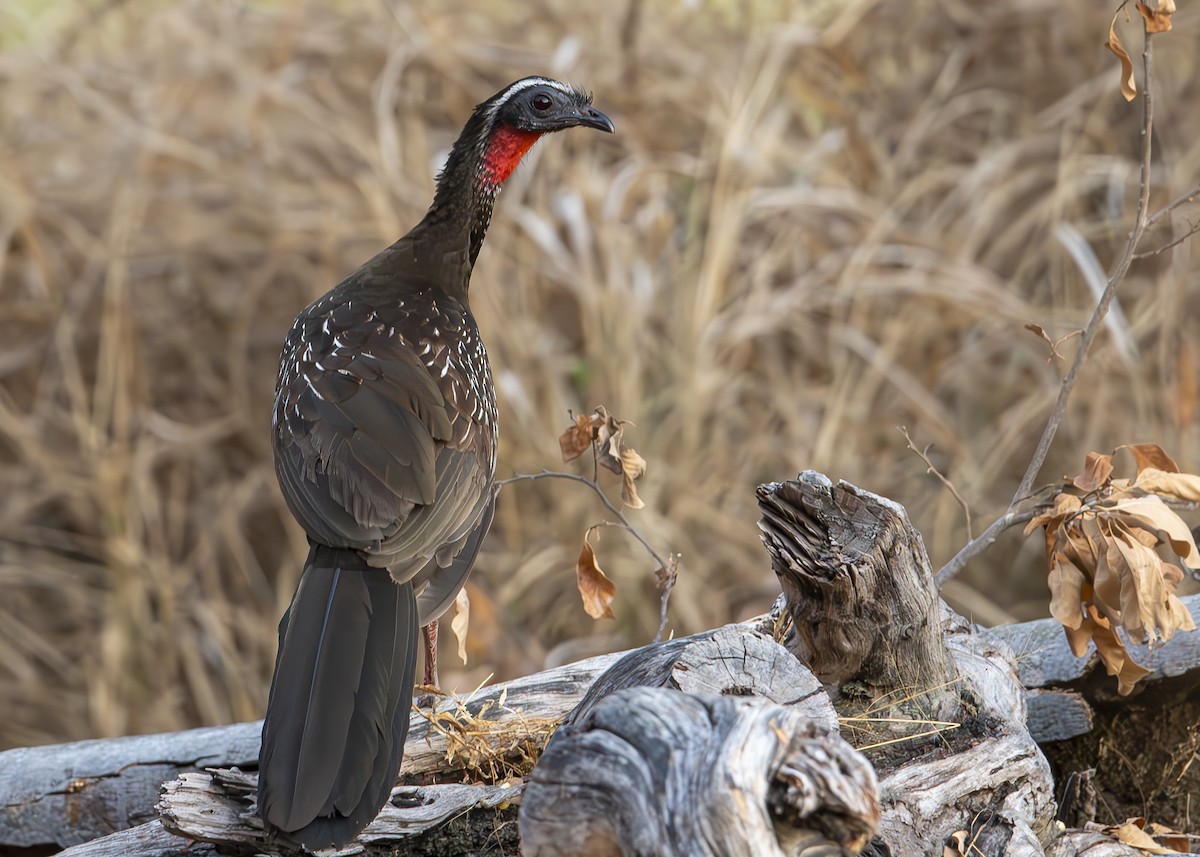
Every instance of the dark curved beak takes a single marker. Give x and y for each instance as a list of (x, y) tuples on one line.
[(590, 117)]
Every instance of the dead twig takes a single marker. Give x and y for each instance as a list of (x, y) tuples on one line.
[(668, 568), (931, 468), (1190, 196), (622, 521), (666, 577), (1192, 230), (1141, 221)]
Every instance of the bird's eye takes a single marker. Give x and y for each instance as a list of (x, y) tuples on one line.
[(541, 102)]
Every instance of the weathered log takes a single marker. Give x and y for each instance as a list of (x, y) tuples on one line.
[(865, 614), (445, 819), (1045, 661), (730, 661), (145, 840), (859, 589), (1045, 658), (859, 581), (1080, 843), (66, 794), (652, 771), (990, 766), (1056, 715)]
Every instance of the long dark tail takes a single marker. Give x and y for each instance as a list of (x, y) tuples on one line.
[(338, 711)]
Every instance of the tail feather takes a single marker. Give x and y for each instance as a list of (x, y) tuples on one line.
[(338, 711)]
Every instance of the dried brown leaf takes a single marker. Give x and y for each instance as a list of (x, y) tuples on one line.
[(1144, 594), (1096, 470), (1066, 591), (1153, 515), (1172, 839), (577, 439), (956, 843), (460, 622), (1111, 649), (596, 590), (609, 432), (1110, 577), (1177, 486), (1131, 833), (1128, 86), (632, 467), (1150, 455), (1040, 331), (1157, 14)]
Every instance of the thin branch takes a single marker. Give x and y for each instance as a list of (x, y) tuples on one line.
[(1110, 290), (608, 504), (1195, 227), (1191, 196), (667, 575), (924, 455), (981, 542), (1140, 222)]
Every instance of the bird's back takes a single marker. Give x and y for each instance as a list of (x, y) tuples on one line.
[(385, 415)]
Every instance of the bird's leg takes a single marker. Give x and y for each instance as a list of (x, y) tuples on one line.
[(429, 635)]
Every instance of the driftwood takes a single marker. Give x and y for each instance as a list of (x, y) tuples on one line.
[(859, 584), (659, 743), (68, 794), (656, 772), (746, 761), (859, 588)]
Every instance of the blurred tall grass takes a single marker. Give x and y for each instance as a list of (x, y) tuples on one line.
[(817, 221)]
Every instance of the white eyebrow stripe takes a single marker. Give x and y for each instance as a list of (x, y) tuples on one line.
[(528, 83)]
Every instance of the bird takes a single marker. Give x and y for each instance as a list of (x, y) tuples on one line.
[(384, 435)]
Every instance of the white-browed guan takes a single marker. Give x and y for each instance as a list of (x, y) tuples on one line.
[(384, 434)]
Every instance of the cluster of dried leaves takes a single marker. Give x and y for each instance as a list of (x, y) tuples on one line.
[(602, 433), (1116, 552), (1157, 15), (1147, 837)]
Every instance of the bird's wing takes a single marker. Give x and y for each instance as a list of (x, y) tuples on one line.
[(368, 439)]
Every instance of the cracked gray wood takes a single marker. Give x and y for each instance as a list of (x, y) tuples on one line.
[(652, 771), (859, 589), (66, 794), (992, 774), (866, 616)]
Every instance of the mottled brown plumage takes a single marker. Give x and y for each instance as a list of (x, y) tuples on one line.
[(384, 432)]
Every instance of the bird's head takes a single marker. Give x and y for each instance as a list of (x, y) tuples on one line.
[(495, 138), (539, 105), (516, 116)]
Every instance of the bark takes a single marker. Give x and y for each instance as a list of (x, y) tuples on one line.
[(651, 771), (66, 794), (719, 743), (866, 617), (860, 591)]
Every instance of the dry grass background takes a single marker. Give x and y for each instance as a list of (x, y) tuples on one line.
[(817, 221)]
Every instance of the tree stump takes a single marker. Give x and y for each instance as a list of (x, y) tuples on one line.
[(860, 592), (866, 617)]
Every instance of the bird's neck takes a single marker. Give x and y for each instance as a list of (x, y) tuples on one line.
[(481, 159)]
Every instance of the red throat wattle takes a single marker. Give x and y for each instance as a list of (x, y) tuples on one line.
[(504, 151)]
